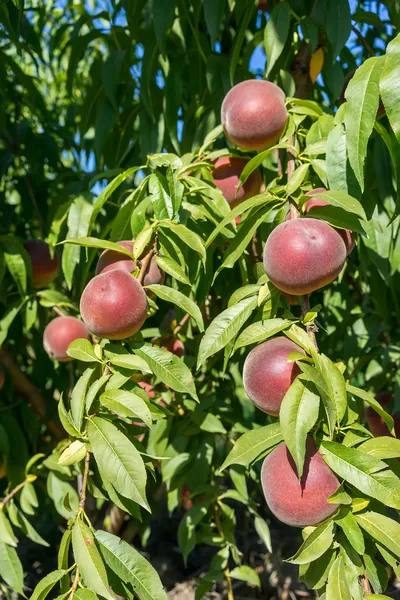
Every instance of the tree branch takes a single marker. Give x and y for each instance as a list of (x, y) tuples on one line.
[(13, 492), (181, 324), (82, 494), (31, 393), (144, 265)]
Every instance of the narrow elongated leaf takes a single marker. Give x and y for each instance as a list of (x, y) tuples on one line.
[(6, 533), (214, 11), (297, 179), (126, 404), (315, 545), (336, 159), (344, 201), (382, 529), (66, 420), (158, 188), (337, 588), (224, 328), (368, 474), (163, 16), (83, 350), (245, 573), (170, 266), (276, 33), (239, 37), (94, 390), (334, 382), (187, 526), (73, 454), (130, 566), (88, 560), (251, 444), (46, 585), (263, 531), (169, 368), (78, 397), (369, 398), (118, 460), (186, 304), (15, 259), (382, 447), (330, 407), (338, 24), (91, 242), (346, 520), (298, 415), (79, 215), (389, 85), (188, 237), (362, 95), (11, 568)]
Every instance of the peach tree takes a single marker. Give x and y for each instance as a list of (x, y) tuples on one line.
[(199, 265)]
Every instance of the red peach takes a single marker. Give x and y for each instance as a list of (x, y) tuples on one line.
[(44, 267), (226, 176), (267, 374), (148, 388), (254, 114), (58, 335), (175, 346), (298, 503), (376, 424), (114, 305)]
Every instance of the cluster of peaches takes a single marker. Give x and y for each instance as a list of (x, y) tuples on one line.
[(301, 255)]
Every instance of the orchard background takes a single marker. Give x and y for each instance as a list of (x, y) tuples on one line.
[(131, 465)]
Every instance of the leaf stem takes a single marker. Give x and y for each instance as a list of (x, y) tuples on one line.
[(13, 492)]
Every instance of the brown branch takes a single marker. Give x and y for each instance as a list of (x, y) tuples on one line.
[(31, 393), (144, 265), (82, 495), (74, 585), (181, 324), (366, 588), (13, 492), (364, 42), (311, 329)]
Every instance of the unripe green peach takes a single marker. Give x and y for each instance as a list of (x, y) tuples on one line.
[(303, 255), (267, 374), (254, 114), (58, 335), (226, 177), (298, 503), (111, 259), (114, 305), (44, 267)]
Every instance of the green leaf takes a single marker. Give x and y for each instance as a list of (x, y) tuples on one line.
[(19, 520), (224, 328), (188, 237), (214, 11), (132, 362), (88, 560), (297, 178), (382, 529), (330, 408), (346, 521), (73, 454), (63, 559), (111, 74), (45, 586), (245, 573), (8, 318), (298, 415), (338, 24), (94, 390), (186, 304), (389, 84), (382, 447), (276, 33), (336, 159), (79, 215), (82, 594), (6, 533), (176, 187), (170, 266), (118, 460), (66, 420), (362, 95), (130, 566), (344, 201), (247, 14), (162, 202), (316, 544), (82, 349), (337, 217), (187, 526), (163, 17), (337, 588), (251, 444), (169, 368), (16, 260), (11, 568), (91, 242), (78, 397), (208, 422), (263, 531), (126, 404), (369, 399), (367, 474), (335, 385)]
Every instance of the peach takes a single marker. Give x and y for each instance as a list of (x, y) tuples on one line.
[(376, 424), (226, 176), (148, 388), (44, 267), (303, 255), (264, 5), (2, 378), (58, 335), (298, 503), (254, 114), (347, 236), (111, 259), (175, 346), (267, 374), (114, 305)]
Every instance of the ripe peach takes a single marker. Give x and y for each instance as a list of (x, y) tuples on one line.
[(264, 5), (254, 114), (267, 374), (58, 335), (114, 305), (346, 235), (2, 378), (111, 259), (376, 424), (298, 503), (148, 388), (303, 255), (226, 176), (44, 267), (175, 346)]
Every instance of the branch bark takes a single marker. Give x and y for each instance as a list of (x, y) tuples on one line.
[(31, 393)]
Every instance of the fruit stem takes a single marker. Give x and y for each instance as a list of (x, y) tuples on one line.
[(58, 311)]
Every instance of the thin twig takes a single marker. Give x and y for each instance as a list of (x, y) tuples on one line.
[(58, 311), (363, 40), (13, 492), (365, 585), (74, 585), (181, 324), (311, 329), (31, 393), (82, 495), (144, 265)]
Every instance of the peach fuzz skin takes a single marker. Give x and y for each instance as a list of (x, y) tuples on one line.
[(267, 374), (58, 335), (114, 305), (298, 503), (303, 255), (226, 175), (111, 259), (254, 114), (44, 267)]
